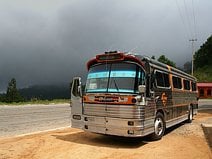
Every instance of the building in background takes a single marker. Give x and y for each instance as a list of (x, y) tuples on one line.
[(204, 89)]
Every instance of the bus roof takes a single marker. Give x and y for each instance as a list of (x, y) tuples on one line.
[(115, 56)]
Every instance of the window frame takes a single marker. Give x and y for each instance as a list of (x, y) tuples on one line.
[(162, 72), (184, 88), (135, 91), (192, 86), (180, 82)]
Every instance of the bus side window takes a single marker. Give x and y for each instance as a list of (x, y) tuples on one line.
[(162, 79), (177, 83), (193, 86), (186, 84), (141, 77)]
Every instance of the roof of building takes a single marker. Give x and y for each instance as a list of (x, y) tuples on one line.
[(204, 84)]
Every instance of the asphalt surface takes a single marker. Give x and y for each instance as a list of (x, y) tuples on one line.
[(18, 120), (205, 104)]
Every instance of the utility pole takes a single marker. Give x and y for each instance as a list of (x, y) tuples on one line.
[(192, 59)]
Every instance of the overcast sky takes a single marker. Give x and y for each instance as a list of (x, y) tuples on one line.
[(49, 41)]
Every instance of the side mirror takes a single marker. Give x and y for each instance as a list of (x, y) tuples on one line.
[(142, 89), (76, 88)]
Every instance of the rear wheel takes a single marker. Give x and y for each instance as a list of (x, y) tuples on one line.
[(159, 127), (190, 114)]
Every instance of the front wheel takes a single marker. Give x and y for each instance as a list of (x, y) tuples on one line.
[(159, 127)]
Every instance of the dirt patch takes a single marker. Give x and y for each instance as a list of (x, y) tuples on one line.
[(182, 141)]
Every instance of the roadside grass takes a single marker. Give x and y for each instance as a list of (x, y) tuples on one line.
[(34, 102)]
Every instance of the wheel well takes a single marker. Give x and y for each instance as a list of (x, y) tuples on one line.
[(160, 111), (191, 106)]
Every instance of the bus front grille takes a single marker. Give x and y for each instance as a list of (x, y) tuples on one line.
[(115, 111)]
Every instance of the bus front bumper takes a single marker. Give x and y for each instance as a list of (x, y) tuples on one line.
[(115, 126)]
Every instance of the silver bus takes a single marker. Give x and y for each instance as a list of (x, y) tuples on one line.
[(132, 95)]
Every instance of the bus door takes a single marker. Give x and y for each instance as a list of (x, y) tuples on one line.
[(76, 103)]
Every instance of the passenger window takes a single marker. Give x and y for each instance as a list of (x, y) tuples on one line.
[(177, 82), (162, 79), (186, 84), (194, 86)]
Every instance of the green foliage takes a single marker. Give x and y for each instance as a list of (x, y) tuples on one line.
[(2, 98), (203, 62), (12, 94), (153, 57), (165, 60), (46, 92), (204, 74), (203, 57)]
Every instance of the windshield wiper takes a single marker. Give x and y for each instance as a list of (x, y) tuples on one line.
[(117, 88)]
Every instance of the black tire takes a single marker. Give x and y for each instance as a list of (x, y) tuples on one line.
[(159, 127), (190, 115)]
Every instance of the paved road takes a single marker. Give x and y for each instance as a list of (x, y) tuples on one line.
[(17, 120), (205, 103)]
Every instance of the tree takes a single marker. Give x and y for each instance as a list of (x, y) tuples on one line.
[(165, 60), (203, 62), (153, 57), (12, 94), (203, 57)]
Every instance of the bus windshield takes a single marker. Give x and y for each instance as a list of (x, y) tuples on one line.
[(115, 78)]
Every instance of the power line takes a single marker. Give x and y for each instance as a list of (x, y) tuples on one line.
[(194, 19), (188, 18), (187, 14), (182, 19)]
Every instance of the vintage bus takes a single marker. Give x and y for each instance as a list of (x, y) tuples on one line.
[(132, 95)]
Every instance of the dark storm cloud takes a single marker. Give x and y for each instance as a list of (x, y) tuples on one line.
[(50, 41)]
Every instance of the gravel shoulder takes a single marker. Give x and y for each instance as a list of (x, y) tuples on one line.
[(182, 141)]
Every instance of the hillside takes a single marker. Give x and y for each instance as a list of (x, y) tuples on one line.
[(204, 74), (48, 92), (203, 62)]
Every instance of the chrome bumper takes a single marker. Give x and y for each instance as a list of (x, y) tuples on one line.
[(115, 126)]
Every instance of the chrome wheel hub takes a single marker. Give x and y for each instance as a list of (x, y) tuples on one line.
[(159, 126)]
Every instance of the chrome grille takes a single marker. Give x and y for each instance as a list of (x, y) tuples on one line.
[(115, 111)]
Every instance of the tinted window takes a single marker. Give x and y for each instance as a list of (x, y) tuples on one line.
[(194, 86), (186, 84), (177, 82), (162, 79)]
